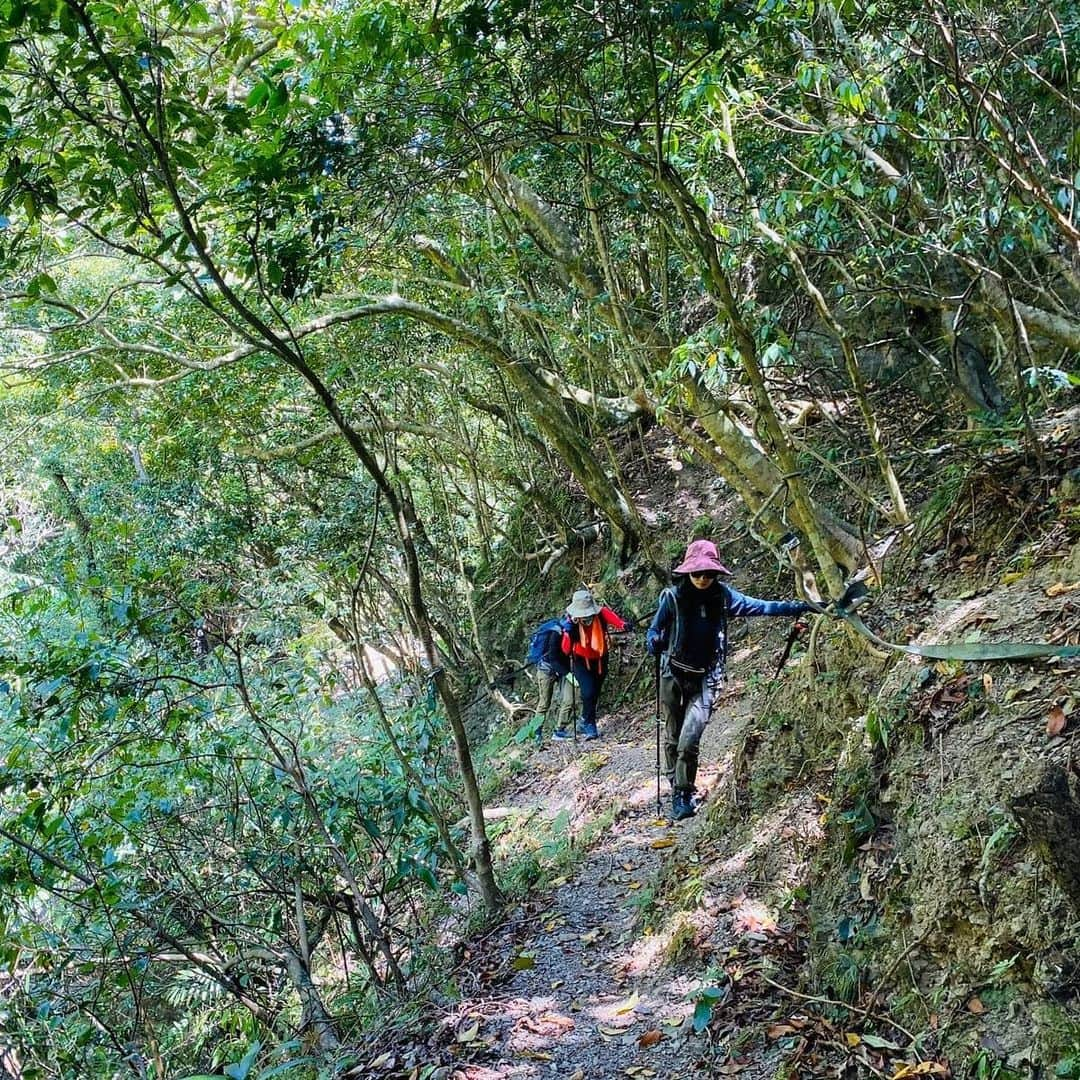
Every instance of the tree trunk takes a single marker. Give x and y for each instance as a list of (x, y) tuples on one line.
[(313, 1012)]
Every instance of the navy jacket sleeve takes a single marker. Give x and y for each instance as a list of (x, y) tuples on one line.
[(657, 637), (739, 604)]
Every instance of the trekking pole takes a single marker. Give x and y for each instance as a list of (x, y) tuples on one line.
[(657, 681), (575, 700)]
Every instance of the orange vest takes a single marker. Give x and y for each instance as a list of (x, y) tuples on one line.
[(588, 644)]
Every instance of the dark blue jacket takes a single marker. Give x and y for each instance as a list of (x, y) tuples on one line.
[(703, 614)]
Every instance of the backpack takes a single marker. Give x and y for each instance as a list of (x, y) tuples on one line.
[(675, 641), (538, 643)]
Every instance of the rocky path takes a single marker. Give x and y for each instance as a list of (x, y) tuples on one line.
[(595, 978)]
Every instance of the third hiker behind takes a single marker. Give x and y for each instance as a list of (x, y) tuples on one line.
[(689, 633), (551, 666)]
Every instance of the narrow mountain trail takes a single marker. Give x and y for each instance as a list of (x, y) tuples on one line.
[(600, 976)]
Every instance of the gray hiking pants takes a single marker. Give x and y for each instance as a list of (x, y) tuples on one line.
[(685, 717)]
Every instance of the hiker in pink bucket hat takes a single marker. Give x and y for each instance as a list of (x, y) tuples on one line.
[(701, 556), (688, 636)]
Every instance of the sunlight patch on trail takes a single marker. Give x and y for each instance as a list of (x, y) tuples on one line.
[(792, 820)]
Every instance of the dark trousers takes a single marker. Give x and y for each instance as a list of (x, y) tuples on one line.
[(587, 691)]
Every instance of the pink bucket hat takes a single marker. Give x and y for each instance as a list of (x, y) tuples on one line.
[(701, 555)]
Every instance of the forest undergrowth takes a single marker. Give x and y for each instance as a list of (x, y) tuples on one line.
[(856, 895)]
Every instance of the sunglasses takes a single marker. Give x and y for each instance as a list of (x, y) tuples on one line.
[(709, 575)]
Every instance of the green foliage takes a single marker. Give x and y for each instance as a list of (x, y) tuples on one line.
[(705, 1001), (852, 810), (460, 236), (988, 1066), (847, 958), (879, 729), (126, 754)]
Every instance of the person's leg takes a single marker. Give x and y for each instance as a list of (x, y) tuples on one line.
[(695, 717), (546, 682), (689, 747), (569, 704), (591, 682), (673, 706)]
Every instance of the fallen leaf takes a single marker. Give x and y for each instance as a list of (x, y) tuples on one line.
[(1022, 688), (383, 1061), (468, 1034), (778, 1031), (556, 983), (879, 1043), (976, 1006), (661, 823), (650, 1037), (590, 936), (534, 1055), (1055, 722), (672, 1021), (1060, 587), (852, 1039), (613, 1032), (923, 1068), (523, 962), (579, 1074), (754, 917), (628, 866), (550, 1024), (633, 884), (866, 890), (628, 1005), (667, 841)]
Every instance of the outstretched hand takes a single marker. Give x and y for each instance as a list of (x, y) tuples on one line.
[(854, 596)]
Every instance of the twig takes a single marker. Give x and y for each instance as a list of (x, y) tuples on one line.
[(841, 1005), (630, 682), (884, 980)]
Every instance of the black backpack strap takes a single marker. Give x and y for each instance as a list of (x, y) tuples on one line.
[(725, 597)]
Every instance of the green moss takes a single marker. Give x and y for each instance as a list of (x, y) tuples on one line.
[(1057, 1036), (704, 528)]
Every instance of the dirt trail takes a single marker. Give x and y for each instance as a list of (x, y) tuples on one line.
[(595, 979)]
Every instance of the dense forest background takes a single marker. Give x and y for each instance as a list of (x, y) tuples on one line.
[(341, 342)]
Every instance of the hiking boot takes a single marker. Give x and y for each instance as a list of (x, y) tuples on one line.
[(588, 731), (681, 806), (561, 734)]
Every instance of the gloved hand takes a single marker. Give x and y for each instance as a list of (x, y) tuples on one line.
[(654, 645), (855, 596)]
